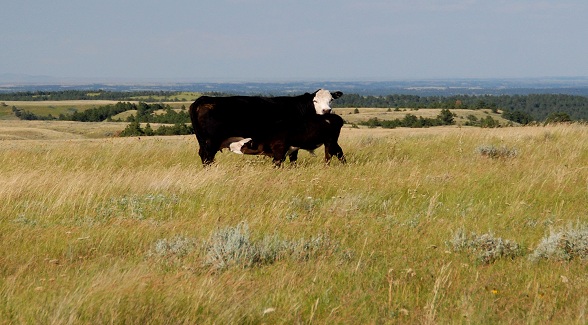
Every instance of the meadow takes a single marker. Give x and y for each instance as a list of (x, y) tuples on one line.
[(461, 115), (440, 225), (54, 108), (67, 107)]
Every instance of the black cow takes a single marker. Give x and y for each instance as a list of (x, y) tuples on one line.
[(311, 134), (218, 121)]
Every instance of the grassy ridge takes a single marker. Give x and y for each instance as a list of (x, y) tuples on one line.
[(66, 107), (54, 108), (83, 225), (461, 115)]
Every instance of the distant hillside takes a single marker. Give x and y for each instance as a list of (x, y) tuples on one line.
[(462, 117), (519, 108), (430, 87)]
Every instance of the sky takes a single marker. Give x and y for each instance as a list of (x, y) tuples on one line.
[(303, 40)]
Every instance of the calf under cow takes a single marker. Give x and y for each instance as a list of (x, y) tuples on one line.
[(311, 134), (275, 125)]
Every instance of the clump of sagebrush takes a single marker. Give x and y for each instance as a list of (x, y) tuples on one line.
[(497, 152), (177, 246), (564, 245), (233, 246), (229, 246), (486, 247)]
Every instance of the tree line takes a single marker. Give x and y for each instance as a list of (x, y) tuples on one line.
[(412, 121), (134, 129), (145, 113), (147, 95), (521, 109)]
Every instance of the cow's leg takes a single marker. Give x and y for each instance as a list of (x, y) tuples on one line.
[(334, 149), (279, 152), (293, 155), (206, 157), (338, 152), (207, 152)]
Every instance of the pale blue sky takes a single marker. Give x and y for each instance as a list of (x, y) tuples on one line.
[(278, 40)]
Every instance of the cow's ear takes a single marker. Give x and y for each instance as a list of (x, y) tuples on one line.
[(336, 94)]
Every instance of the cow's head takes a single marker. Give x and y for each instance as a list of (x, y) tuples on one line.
[(322, 100)]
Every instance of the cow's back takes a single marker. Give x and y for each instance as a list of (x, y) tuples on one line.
[(242, 115)]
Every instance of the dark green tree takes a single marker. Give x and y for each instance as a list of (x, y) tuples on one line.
[(489, 122), (132, 130), (518, 117), (148, 130), (558, 117), (446, 117), (410, 121)]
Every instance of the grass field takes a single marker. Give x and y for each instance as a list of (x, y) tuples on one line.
[(421, 226), (44, 108), (66, 107), (185, 96), (461, 115), (57, 130)]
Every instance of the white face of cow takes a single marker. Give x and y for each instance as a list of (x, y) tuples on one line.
[(322, 100)]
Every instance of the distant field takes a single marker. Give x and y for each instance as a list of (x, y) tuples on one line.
[(386, 114), (445, 225), (66, 107), (50, 107), (54, 130), (185, 96)]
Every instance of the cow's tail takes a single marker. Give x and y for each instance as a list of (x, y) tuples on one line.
[(204, 151), (193, 111)]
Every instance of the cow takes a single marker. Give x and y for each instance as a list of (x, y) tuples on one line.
[(219, 121), (311, 134)]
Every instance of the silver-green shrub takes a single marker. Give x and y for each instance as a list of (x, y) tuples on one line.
[(497, 152), (229, 246), (564, 245), (178, 246), (486, 247), (233, 246)]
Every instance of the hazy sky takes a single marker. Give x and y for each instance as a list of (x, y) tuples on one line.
[(278, 40)]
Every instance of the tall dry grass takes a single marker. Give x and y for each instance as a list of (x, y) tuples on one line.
[(121, 230)]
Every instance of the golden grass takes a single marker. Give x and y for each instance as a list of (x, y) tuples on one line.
[(57, 130), (80, 219)]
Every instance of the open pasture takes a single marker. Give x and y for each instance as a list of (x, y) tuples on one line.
[(461, 115), (67, 107), (54, 108), (185, 96), (57, 130), (129, 230)]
